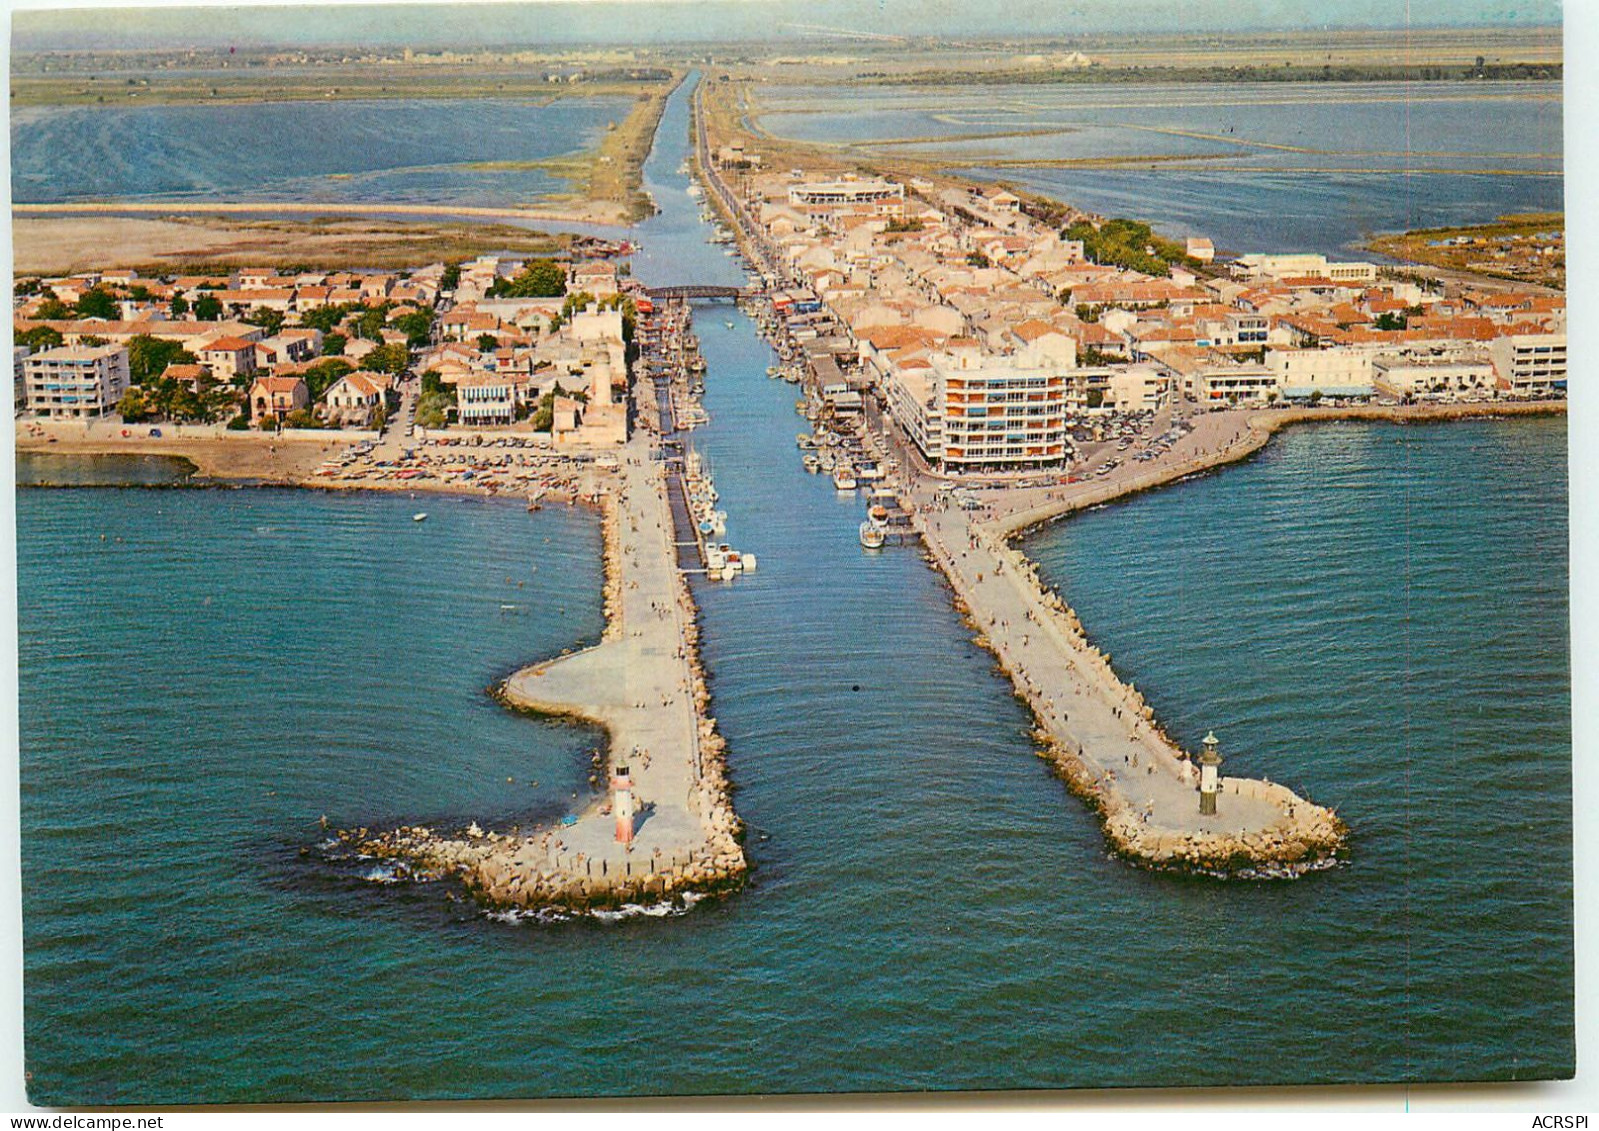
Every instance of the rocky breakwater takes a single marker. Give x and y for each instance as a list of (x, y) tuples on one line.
[(644, 684), (1102, 737)]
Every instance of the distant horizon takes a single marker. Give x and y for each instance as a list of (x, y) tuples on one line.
[(662, 23)]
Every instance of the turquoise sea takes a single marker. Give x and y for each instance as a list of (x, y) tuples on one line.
[(1374, 614)]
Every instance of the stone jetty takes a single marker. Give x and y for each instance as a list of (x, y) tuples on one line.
[(1100, 734), (644, 684)]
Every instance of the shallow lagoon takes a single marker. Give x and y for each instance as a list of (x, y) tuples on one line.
[(1255, 166), (391, 151)]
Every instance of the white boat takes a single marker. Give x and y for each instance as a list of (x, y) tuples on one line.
[(844, 478), (420, 516), (872, 535), (749, 563)]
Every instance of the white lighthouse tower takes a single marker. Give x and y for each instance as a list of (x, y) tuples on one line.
[(1209, 764), (623, 804)]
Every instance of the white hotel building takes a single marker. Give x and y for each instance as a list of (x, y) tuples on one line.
[(974, 413), (76, 382)]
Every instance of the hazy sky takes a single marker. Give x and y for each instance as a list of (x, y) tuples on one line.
[(654, 21)]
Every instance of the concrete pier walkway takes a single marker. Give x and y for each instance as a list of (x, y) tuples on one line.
[(1102, 735)]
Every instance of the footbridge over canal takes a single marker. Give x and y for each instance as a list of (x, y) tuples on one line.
[(691, 291)]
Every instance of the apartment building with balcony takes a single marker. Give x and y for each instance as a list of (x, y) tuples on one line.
[(76, 382)]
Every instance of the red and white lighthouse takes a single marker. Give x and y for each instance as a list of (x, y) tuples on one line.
[(623, 804)]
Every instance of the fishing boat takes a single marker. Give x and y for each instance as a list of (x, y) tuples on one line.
[(420, 516), (872, 535), (844, 478), (827, 461), (728, 323), (812, 464), (805, 441)]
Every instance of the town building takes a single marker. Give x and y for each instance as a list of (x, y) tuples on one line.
[(276, 397), (76, 382), (1529, 365)]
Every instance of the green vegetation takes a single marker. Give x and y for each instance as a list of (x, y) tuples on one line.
[(416, 326), (333, 344), (40, 338), (392, 357), (179, 306), (53, 310), (149, 357), (320, 376), (542, 278), (269, 320), (433, 406), (97, 302), (487, 342), (1127, 243), (207, 308)]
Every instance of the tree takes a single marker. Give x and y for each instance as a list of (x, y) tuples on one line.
[(148, 357), (487, 342), (370, 324), (40, 338), (978, 259), (302, 418), (433, 407), (1315, 397), (27, 287), (53, 310), (333, 344), (324, 373), (542, 278), (133, 407), (97, 302), (179, 307), (240, 423), (207, 308), (391, 357), (1391, 321), (432, 382), (451, 277), (324, 318), (416, 326), (268, 319)]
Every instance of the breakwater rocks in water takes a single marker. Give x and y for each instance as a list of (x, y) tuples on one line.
[(1309, 838), (644, 684), (1101, 736), (540, 873)]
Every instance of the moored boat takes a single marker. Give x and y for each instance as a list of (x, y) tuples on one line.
[(872, 535)]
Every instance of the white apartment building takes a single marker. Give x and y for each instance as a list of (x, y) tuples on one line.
[(974, 413), (76, 381), (1529, 365)]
